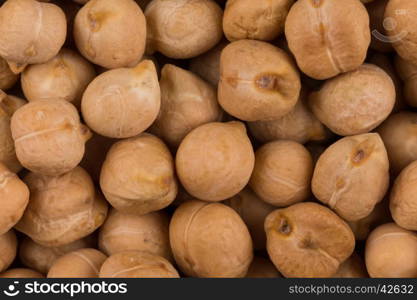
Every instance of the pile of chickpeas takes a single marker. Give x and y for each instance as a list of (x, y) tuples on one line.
[(203, 138)]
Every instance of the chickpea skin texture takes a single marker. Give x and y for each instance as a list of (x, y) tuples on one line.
[(111, 34), (308, 240), (282, 173), (215, 161), (122, 103), (21, 273), (8, 249), (258, 81), (328, 37), (391, 252), (352, 175), (137, 176), (136, 264), (210, 240), (45, 132), (183, 29)]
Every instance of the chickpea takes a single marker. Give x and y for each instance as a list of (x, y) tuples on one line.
[(8, 249), (353, 267), (7, 77), (21, 273)]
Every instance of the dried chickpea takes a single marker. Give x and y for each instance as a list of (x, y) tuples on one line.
[(82, 263), (352, 175), (14, 197), (111, 34), (126, 232), (41, 258), (258, 81), (353, 267), (408, 73), (391, 251), (62, 209), (186, 103), (63, 77), (355, 102), (256, 20), (21, 273), (45, 132), (215, 160), (123, 102), (182, 28), (31, 32), (137, 176), (307, 240), (8, 249), (7, 77), (328, 37), (210, 240), (136, 264), (262, 268)]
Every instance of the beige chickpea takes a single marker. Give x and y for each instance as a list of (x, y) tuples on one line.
[(355, 102), (124, 102), (21, 273), (253, 212), (402, 16), (328, 37), (299, 125), (63, 77), (14, 197), (210, 240), (136, 264), (353, 267), (137, 176), (258, 81), (186, 103), (125, 232), (45, 132), (391, 252), (408, 73), (8, 105), (403, 199), (62, 209), (7, 77), (110, 33), (82, 263), (282, 173), (31, 32), (399, 133), (41, 258), (307, 240), (215, 160), (262, 268), (256, 20), (183, 29), (352, 175), (8, 249)]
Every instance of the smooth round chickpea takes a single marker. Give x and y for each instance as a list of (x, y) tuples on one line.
[(82, 263), (186, 103), (111, 34), (215, 161), (308, 240), (125, 232), (183, 29), (136, 264), (258, 81), (137, 176), (62, 209), (63, 77), (255, 20), (282, 173), (352, 175), (7, 77), (124, 102), (21, 273), (391, 252), (262, 268), (44, 132), (8, 249), (210, 240), (355, 102), (353, 267), (326, 37), (31, 32)]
